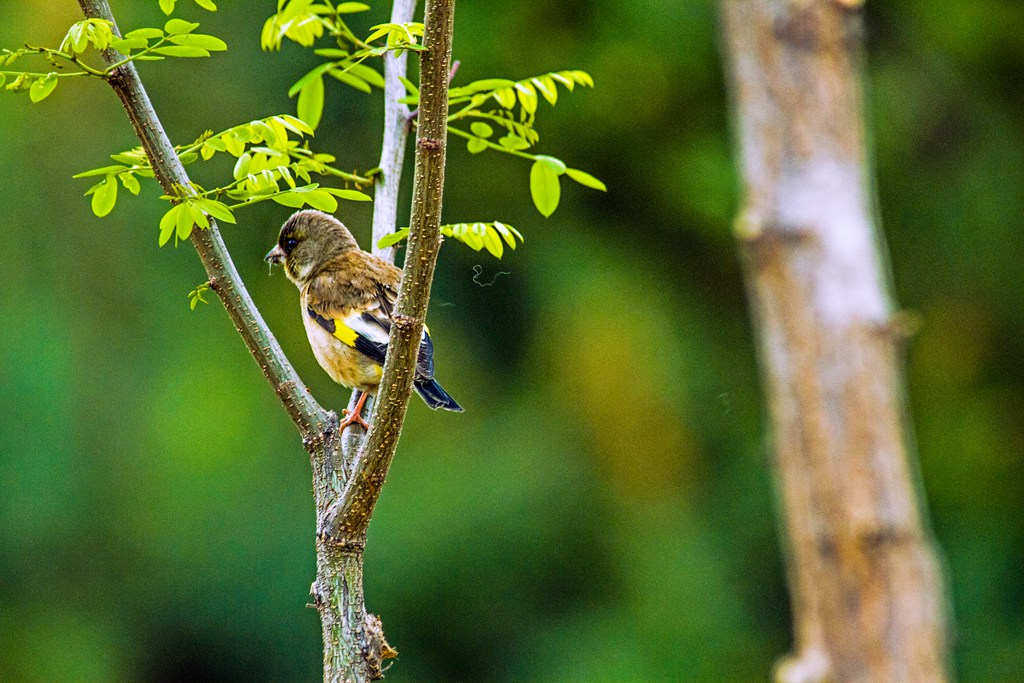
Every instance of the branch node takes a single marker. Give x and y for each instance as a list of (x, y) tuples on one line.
[(118, 76), (403, 321), (319, 599), (376, 649), (313, 439)]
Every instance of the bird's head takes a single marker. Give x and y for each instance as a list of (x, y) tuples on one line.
[(308, 239)]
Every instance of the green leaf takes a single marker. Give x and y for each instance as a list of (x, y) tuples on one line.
[(105, 196), (508, 233), (581, 77), (564, 80), (393, 239), (128, 44), (332, 52), (201, 41), (294, 124), (470, 235), (198, 217), (481, 129), (130, 182), (556, 165), (322, 200), (506, 97), (351, 80), (371, 76), (351, 7), (106, 170), (168, 223), (290, 199), (144, 34), (167, 6), (350, 195), (183, 223), (485, 85), (79, 37), (585, 179), (544, 188), (311, 102), (181, 51), (177, 27), (207, 5), (513, 142), (42, 87), (547, 88), (242, 166), (492, 242), (476, 145), (218, 210), (527, 97)]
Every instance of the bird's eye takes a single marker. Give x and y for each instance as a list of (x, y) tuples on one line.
[(290, 243)]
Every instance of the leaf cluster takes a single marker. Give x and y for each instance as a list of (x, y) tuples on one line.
[(515, 114), (304, 22), (269, 162), (475, 235), (175, 39)]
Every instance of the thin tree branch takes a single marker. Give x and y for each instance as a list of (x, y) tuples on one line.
[(311, 419), (387, 184), (347, 523), (396, 132)]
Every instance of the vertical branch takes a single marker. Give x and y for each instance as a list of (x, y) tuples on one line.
[(351, 517), (866, 589), (396, 133), (387, 183)]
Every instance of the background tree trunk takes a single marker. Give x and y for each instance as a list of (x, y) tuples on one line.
[(865, 584)]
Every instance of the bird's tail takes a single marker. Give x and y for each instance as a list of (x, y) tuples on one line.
[(436, 397)]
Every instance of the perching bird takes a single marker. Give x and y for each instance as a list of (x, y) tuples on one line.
[(347, 298)]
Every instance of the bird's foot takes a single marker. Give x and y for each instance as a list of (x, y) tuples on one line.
[(352, 417)]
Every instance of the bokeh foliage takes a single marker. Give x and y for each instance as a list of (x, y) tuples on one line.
[(602, 510)]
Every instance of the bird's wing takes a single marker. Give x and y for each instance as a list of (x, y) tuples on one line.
[(354, 300)]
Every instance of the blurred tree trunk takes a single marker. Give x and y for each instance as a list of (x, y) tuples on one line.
[(866, 590)]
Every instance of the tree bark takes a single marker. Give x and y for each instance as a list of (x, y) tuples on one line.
[(866, 589)]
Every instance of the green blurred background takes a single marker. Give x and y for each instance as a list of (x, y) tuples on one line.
[(602, 511)]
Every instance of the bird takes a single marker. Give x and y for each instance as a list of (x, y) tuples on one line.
[(348, 297)]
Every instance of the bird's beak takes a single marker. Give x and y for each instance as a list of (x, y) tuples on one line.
[(275, 255)]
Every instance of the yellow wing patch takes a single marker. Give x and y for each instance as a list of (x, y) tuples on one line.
[(345, 333)]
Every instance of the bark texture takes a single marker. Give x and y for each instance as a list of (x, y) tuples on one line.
[(866, 589)]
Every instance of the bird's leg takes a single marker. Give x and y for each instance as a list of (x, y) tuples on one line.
[(352, 416)]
